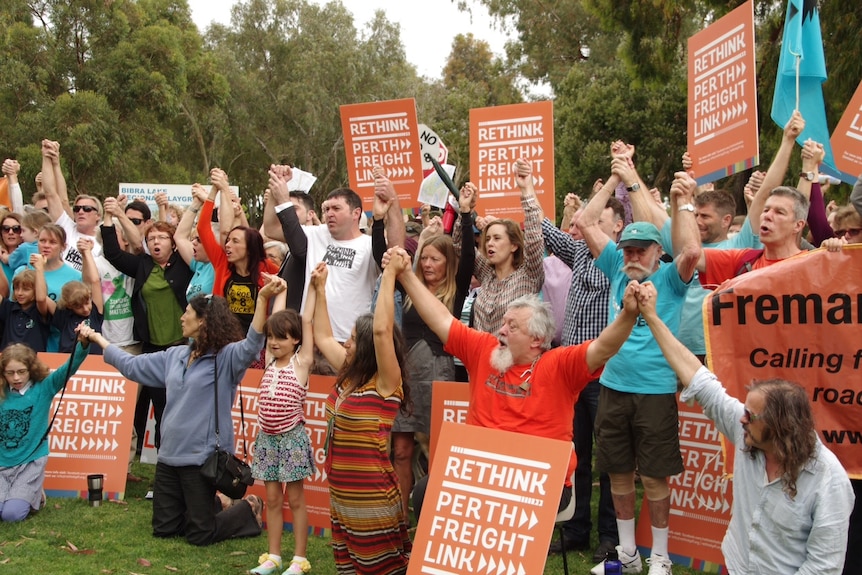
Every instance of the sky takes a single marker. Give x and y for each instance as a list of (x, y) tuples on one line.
[(426, 32)]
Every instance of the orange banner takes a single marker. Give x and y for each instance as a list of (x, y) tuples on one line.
[(93, 429), (798, 320), (383, 134), (722, 97), (847, 139), (499, 135), (491, 502), (450, 401)]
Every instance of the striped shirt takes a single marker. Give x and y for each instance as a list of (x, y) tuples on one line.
[(282, 399), (496, 294), (587, 302)]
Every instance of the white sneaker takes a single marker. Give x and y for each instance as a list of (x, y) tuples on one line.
[(631, 563), (659, 565)]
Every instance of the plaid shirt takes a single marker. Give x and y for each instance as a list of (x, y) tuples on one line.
[(496, 294), (587, 303)]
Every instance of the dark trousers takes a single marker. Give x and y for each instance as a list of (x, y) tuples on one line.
[(853, 559), (184, 504), (578, 528)]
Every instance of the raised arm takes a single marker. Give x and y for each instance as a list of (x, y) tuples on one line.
[(588, 223), (684, 363), (183, 234), (130, 230), (388, 368), (777, 169), (644, 207), (50, 150), (90, 273), (685, 237), (333, 351), (384, 192), (44, 304), (274, 285), (534, 245), (221, 186), (616, 333), (16, 198)]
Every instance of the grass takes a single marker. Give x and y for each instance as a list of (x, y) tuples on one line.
[(68, 536)]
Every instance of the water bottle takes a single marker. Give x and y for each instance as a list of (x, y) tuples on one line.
[(612, 564)]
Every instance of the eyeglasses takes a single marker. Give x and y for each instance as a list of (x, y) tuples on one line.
[(136, 221), (162, 238), (87, 209), (752, 417), (14, 229), (13, 372), (852, 232)]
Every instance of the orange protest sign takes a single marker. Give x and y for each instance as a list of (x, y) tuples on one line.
[(700, 497), (491, 502), (722, 97), (93, 429), (797, 320), (450, 401), (499, 135), (383, 134), (847, 139)]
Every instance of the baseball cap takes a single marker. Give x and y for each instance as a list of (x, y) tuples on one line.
[(639, 235), (413, 228)]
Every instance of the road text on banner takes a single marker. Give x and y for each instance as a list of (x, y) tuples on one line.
[(499, 135), (383, 134), (847, 140), (700, 497), (722, 97), (797, 320), (93, 428), (491, 502)]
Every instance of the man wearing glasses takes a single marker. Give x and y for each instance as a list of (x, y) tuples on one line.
[(79, 221), (791, 497)]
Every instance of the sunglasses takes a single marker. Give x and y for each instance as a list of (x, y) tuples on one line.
[(136, 221), (15, 229), (752, 417), (852, 232), (87, 209)]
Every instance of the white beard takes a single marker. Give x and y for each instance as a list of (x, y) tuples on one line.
[(501, 359)]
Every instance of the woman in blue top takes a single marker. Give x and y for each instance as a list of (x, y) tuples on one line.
[(26, 391), (183, 501)]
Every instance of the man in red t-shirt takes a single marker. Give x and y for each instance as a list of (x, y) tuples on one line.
[(517, 382)]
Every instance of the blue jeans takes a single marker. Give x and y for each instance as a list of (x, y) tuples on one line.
[(578, 528)]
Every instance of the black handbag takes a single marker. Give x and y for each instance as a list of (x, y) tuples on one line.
[(227, 472)]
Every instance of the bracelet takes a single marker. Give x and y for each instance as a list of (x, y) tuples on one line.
[(194, 210)]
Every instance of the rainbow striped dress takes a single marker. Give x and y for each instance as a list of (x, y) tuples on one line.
[(369, 533)]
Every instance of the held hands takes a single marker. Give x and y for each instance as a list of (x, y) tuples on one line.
[(11, 167), (274, 285), (396, 261), (219, 179), (812, 155), (620, 148), (384, 193), (112, 207), (38, 262), (523, 169), (161, 199), (467, 198), (278, 178), (433, 229), (683, 188), (646, 300), (84, 244), (318, 276), (199, 194)]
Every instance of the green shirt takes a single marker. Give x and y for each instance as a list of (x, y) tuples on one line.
[(163, 311)]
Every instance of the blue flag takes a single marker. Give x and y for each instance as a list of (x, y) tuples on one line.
[(803, 42)]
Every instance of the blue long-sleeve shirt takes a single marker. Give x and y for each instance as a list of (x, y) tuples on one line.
[(188, 422)]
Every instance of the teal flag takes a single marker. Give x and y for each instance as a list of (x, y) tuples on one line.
[(802, 40)]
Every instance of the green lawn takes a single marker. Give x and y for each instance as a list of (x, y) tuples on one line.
[(70, 537)]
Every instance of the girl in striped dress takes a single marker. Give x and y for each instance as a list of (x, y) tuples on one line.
[(369, 530), (282, 452)]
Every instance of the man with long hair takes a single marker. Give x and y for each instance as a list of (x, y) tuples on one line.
[(791, 497)]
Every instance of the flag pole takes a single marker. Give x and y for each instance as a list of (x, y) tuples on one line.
[(798, 59)]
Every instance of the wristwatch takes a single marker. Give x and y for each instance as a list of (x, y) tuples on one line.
[(810, 176), (634, 187), (686, 208)]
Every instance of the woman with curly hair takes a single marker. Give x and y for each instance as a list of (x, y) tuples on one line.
[(369, 530), (240, 259), (27, 388), (184, 502)]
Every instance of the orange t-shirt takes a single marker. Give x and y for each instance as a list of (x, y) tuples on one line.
[(722, 265), (546, 408)]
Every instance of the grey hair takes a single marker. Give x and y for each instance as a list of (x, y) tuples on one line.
[(541, 322), (282, 247), (800, 202)]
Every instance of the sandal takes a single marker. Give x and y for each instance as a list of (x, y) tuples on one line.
[(268, 565), (298, 567)]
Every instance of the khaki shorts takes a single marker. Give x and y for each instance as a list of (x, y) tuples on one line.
[(638, 432)]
